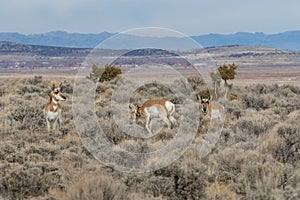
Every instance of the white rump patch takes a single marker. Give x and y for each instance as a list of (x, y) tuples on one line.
[(169, 105)]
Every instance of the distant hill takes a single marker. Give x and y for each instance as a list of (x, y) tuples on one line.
[(286, 40), (12, 48), (57, 38)]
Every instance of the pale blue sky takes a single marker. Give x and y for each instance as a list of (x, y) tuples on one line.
[(191, 17)]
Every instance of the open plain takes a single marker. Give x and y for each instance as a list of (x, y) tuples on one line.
[(256, 156)]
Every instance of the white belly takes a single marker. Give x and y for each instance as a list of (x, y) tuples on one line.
[(156, 111), (215, 113), (52, 115), (153, 111)]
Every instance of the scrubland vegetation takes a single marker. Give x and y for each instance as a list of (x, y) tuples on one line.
[(256, 157)]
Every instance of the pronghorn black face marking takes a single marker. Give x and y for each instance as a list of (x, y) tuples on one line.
[(204, 104), (57, 94), (135, 109)]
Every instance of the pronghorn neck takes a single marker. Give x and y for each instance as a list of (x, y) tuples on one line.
[(53, 100), (138, 111)]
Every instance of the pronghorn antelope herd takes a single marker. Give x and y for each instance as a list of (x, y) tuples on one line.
[(52, 109), (152, 109)]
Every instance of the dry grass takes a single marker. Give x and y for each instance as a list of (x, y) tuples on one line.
[(256, 157)]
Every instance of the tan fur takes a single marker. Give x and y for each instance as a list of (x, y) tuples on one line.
[(153, 108), (215, 106), (208, 107), (52, 109), (150, 103)]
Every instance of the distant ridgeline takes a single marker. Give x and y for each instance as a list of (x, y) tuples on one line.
[(286, 40), (14, 48)]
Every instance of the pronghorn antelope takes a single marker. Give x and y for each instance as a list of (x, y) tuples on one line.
[(155, 108), (212, 109), (52, 109)]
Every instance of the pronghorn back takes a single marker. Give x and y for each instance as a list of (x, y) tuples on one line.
[(152, 102)]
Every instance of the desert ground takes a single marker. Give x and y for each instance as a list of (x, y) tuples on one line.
[(257, 64), (256, 156)]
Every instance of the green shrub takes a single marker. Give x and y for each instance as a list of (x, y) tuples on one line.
[(107, 73)]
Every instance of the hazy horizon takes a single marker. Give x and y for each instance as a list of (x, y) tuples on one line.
[(63, 31), (190, 17)]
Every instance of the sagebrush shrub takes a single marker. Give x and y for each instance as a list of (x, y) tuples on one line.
[(96, 186), (30, 180), (28, 117), (256, 157), (288, 151)]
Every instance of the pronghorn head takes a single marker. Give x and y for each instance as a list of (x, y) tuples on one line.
[(135, 109), (56, 93), (204, 104)]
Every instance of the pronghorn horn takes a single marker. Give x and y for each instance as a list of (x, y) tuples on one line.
[(53, 86), (198, 97)]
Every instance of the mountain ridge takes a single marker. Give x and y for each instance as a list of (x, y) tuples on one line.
[(285, 40)]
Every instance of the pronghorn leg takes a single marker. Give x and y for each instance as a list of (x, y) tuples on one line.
[(48, 124), (169, 123), (172, 120), (59, 120), (147, 124), (165, 118), (54, 124)]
